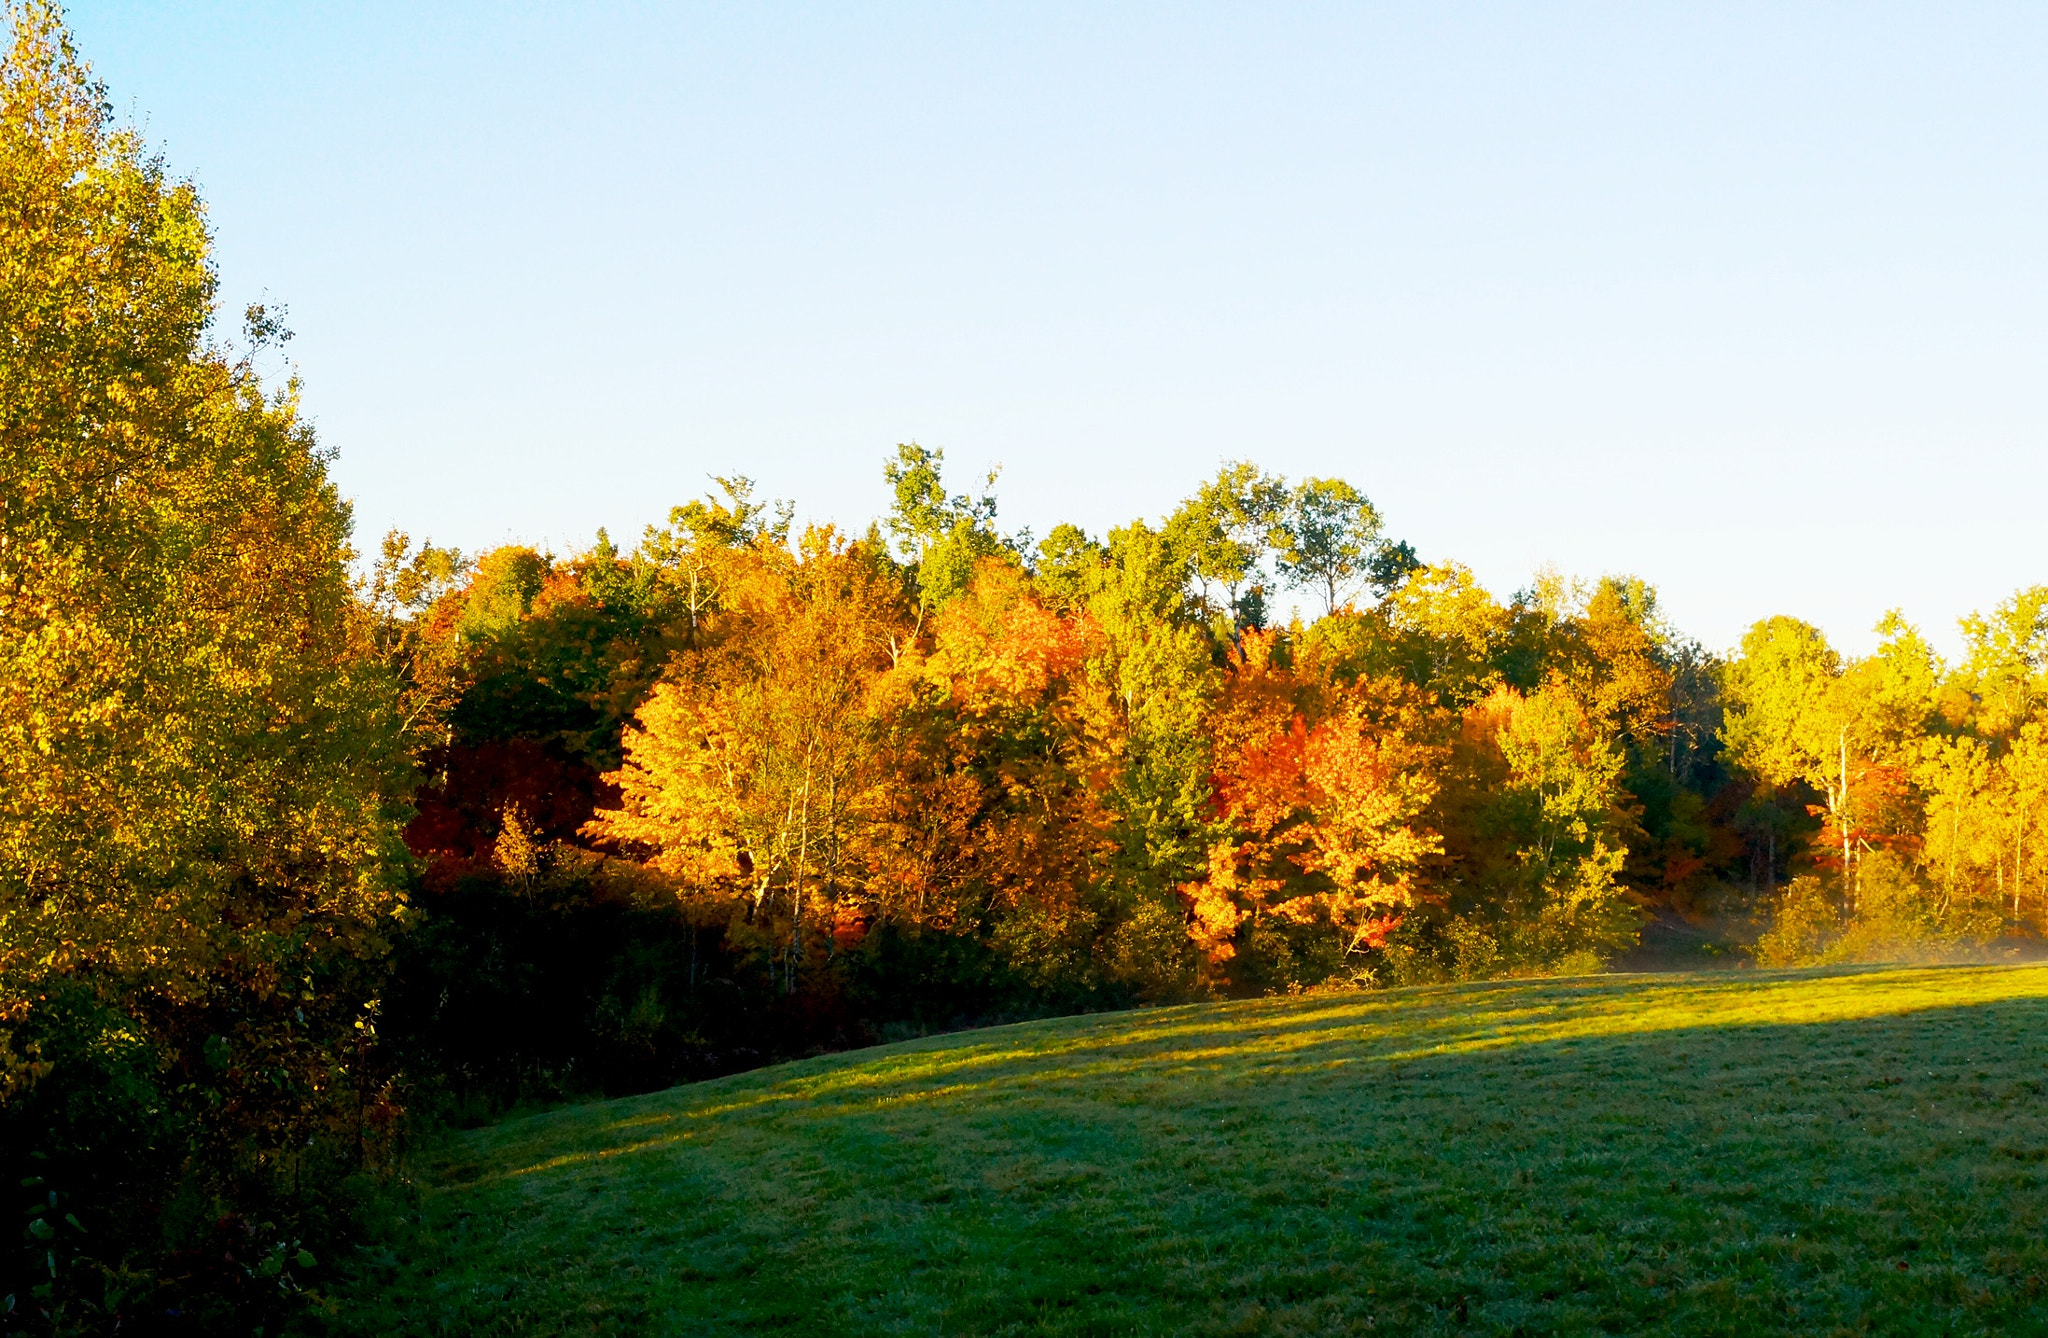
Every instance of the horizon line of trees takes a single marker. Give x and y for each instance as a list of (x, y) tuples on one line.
[(1495, 755), (296, 864)]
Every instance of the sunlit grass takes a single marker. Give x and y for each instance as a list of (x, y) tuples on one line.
[(1731, 1153)]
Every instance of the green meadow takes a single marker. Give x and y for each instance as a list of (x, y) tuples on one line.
[(1732, 1153)]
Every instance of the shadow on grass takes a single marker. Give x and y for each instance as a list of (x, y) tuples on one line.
[(1263, 1041), (1770, 1153)]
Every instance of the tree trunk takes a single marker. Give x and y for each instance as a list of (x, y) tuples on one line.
[(1850, 882)]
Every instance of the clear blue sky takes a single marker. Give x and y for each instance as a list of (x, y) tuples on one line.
[(1746, 299)]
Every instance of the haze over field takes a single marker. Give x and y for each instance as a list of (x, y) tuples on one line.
[(1748, 302)]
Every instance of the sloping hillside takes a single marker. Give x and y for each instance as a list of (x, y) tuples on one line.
[(1734, 1153)]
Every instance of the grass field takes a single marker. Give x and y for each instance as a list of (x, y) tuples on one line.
[(1737, 1153)]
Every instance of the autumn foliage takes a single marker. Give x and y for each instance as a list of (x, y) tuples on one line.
[(296, 848), (1322, 790), (1051, 779)]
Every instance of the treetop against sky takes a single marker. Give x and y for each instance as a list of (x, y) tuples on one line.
[(1739, 299)]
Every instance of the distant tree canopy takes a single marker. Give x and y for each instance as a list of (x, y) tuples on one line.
[(1094, 763), (1101, 763)]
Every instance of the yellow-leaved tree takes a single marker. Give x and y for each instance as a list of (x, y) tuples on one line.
[(754, 767), (201, 768)]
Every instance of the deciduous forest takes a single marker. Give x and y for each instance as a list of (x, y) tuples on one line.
[(310, 844)]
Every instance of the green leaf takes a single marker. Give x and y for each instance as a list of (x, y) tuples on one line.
[(305, 1258), (41, 1229), (76, 1225)]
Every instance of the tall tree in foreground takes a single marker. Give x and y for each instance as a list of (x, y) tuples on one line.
[(201, 767)]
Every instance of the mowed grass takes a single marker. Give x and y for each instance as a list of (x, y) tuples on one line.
[(1736, 1153)]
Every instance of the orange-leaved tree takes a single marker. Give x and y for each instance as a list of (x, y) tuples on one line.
[(999, 815), (1321, 787)]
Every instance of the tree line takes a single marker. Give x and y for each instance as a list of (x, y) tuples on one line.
[(300, 857)]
